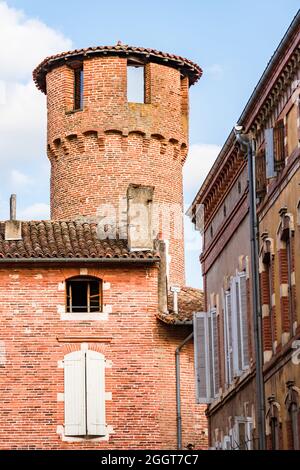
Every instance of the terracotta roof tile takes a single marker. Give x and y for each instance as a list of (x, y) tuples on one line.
[(190, 300), (189, 68), (64, 239)]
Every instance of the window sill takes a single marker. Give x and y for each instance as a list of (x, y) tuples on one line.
[(73, 111), (81, 316)]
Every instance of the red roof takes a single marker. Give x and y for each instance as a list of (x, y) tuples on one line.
[(69, 240), (190, 300), (187, 67)]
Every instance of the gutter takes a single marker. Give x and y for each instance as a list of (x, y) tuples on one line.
[(178, 398), (68, 261)]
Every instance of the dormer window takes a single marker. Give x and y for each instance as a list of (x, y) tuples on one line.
[(84, 295)]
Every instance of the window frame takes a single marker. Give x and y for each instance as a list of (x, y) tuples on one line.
[(88, 280)]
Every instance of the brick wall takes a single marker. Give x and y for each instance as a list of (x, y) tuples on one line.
[(97, 152), (140, 348)]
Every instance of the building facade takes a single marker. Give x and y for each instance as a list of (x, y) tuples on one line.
[(89, 325), (271, 118)]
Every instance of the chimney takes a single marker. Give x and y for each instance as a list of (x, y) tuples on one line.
[(139, 217), (13, 227), (175, 291)]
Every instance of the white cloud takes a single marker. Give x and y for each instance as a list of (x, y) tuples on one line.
[(25, 42), (37, 211), (19, 179), (215, 71), (200, 160)]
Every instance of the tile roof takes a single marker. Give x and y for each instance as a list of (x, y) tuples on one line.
[(190, 300), (189, 68), (65, 239)]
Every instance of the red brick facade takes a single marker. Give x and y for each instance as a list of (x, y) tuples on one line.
[(95, 153), (141, 379)]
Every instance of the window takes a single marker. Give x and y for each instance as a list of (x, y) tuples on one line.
[(236, 328), (242, 434), (224, 210), (267, 260), (239, 187), (274, 426), (84, 394), (294, 412), (278, 142), (290, 284), (84, 294), (78, 88), (135, 84), (292, 129), (211, 231), (206, 347)]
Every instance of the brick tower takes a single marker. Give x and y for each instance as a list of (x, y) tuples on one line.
[(99, 142)]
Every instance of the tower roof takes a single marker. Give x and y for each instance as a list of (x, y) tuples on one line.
[(186, 66)]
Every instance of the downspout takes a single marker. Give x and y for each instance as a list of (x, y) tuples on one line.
[(178, 399)]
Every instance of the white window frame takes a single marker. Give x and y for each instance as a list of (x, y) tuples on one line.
[(248, 432)]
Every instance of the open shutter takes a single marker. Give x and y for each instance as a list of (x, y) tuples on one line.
[(228, 337), (244, 320), (95, 380), (237, 327), (202, 362), (214, 353), (270, 155), (74, 394)]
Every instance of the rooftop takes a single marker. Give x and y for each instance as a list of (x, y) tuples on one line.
[(190, 300), (186, 66), (49, 240)]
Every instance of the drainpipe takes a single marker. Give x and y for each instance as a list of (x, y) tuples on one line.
[(178, 400), (249, 145)]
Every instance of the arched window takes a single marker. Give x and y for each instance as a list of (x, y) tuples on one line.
[(84, 294), (273, 424), (292, 404)]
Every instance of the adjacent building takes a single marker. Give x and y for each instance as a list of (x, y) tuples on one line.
[(89, 325), (225, 337)]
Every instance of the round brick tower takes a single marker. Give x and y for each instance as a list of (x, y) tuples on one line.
[(99, 142)]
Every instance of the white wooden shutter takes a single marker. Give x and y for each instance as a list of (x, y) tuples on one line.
[(243, 320), (214, 353), (74, 394), (236, 318), (228, 337), (270, 157), (95, 380), (202, 362)]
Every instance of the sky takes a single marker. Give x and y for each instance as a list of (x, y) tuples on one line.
[(231, 40)]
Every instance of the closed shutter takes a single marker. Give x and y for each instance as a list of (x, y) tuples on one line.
[(244, 320), (74, 394), (95, 379), (270, 158), (202, 363)]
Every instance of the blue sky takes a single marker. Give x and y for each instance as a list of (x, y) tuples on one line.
[(231, 40)]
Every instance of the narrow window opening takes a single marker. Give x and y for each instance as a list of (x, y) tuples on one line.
[(224, 210), (211, 232), (78, 88), (84, 295), (135, 84), (239, 187)]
